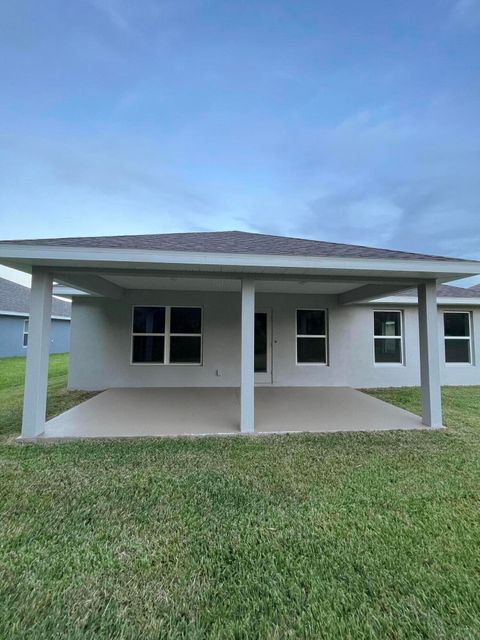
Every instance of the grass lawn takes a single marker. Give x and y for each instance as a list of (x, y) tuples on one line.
[(301, 536), (12, 371)]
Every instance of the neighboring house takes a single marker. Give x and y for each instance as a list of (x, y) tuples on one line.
[(14, 322), (239, 310)]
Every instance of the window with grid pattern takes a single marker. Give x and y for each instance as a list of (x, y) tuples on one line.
[(167, 335)]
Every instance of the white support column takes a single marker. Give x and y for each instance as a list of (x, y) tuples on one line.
[(247, 383), (429, 356), (36, 373)]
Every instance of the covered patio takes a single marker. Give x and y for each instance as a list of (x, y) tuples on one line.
[(122, 411), (227, 279), (149, 412)]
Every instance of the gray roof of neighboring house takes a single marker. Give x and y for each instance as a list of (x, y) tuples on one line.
[(230, 242), (448, 291), (16, 298), (475, 288)]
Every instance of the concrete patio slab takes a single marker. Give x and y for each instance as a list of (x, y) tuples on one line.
[(325, 409), (118, 413)]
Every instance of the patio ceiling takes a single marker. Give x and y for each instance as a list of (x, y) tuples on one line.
[(180, 283), (117, 283)]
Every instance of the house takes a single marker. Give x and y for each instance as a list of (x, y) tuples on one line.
[(227, 328), (14, 323)]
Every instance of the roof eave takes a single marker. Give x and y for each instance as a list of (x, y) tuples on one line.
[(26, 314), (441, 300), (25, 257)]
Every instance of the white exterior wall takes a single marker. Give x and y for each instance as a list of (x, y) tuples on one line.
[(101, 344)]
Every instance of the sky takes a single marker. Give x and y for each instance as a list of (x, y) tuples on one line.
[(341, 120)]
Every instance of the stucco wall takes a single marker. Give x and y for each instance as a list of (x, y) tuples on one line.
[(11, 336), (101, 344)]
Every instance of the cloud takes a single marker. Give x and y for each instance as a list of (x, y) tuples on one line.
[(113, 10), (105, 167), (88, 188), (366, 220), (144, 17), (466, 13), (409, 182)]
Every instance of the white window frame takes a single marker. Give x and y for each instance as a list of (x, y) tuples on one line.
[(166, 335), (400, 337), (26, 327), (469, 338), (301, 335)]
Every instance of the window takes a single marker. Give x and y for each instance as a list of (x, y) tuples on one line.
[(387, 337), (458, 337), (25, 333), (261, 343), (311, 336), (167, 335)]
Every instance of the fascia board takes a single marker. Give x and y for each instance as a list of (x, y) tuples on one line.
[(36, 253)]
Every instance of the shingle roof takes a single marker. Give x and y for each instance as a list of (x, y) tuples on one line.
[(475, 288), (16, 298), (231, 242), (448, 291)]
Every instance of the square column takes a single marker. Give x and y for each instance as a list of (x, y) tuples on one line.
[(36, 372), (247, 381), (429, 356)]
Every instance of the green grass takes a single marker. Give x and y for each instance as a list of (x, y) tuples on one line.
[(307, 536), (12, 371)]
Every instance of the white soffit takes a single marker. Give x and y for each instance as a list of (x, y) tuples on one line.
[(210, 284)]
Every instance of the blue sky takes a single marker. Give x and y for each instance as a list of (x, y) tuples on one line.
[(345, 121)]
